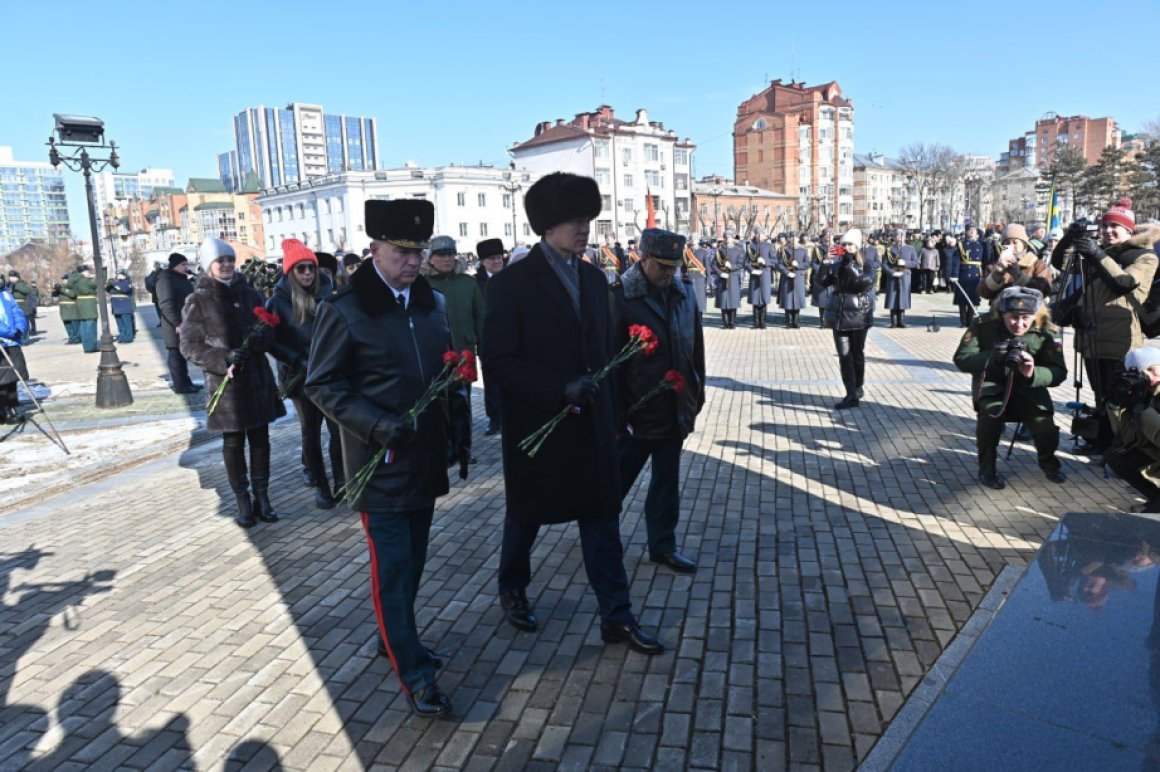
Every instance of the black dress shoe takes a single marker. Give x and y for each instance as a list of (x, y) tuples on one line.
[(471, 459), (323, 499), (847, 403), (1055, 475), (435, 656), (429, 702), (992, 480), (492, 427), (517, 611), (858, 393), (637, 639), (677, 562)]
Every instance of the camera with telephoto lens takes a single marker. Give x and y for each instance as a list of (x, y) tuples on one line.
[(1081, 228), (1129, 389), (1010, 351)]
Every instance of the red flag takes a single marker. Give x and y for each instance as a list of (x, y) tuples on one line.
[(651, 219)]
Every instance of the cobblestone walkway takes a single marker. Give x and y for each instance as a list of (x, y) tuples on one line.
[(839, 554)]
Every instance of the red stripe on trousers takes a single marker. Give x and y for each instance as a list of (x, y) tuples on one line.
[(376, 601)]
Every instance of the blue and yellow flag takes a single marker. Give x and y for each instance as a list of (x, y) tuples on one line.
[(1054, 215)]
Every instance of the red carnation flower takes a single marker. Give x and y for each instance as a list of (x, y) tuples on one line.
[(266, 317), (675, 380), (450, 358)]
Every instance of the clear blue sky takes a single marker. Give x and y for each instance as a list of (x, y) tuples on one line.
[(459, 81)]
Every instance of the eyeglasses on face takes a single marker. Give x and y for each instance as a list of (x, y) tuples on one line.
[(305, 268)]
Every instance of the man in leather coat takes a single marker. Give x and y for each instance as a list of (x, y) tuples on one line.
[(656, 426), (376, 348)]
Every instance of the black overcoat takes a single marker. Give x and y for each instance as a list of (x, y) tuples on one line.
[(534, 343), (172, 290)]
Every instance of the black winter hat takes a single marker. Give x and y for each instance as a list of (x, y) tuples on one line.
[(559, 197), (664, 246), (489, 248), (327, 261), (406, 222), (177, 259)]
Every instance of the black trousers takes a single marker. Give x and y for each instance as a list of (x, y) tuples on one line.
[(603, 561), (178, 370), (1129, 466), (662, 504), (851, 348), (1101, 373), (398, 549), (234, 456), (310, 420), (491, 404)]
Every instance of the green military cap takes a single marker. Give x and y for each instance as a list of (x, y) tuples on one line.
[(1023, 300)]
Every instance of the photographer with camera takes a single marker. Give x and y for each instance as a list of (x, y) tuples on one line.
[(1114, 283), (1015, 354), (1016, 266), (1134, 412)]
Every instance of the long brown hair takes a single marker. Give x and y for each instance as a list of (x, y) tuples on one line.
[(305, 301)]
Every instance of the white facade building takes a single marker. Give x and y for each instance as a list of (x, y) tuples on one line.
[(628, 159), (1015, 198), (883, 197), (32, 202), (471, 203)]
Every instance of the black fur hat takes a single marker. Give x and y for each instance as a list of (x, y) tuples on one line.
[(328, 261), (489, 248), (405, 222), (559, 197)]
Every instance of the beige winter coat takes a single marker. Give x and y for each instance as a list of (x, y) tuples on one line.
[(1117, 295)]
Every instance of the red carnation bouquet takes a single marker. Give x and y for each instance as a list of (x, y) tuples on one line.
[(641, 340), (673, 381), (266, 320), (458, 367)]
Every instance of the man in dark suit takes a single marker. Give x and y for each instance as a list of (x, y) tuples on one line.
[(491, 256), (546, 332), (173, 287)]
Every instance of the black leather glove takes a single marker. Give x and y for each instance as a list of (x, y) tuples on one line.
[(1086, 246), (392, 433), (239, 357), (581, 391)]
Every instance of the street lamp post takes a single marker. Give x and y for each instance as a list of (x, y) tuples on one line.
[(513, 187), (75, 135)]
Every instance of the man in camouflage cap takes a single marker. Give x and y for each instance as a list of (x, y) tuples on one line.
[(1015, 355)]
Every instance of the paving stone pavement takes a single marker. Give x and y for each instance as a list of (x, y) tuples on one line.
[(839, 554)]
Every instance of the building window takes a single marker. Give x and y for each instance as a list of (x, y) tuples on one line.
[(626, 155), (461, 199), (483, 199), (507, 200), (507, 229), (652, 152), (681, 156), (278, 213), (606, 202), (681, 181), (628, 180), (652, 178), (602, 178), (462, 229), (301, 211), (527, 230), (482, 227), (601, 148), (603, 227), (330, 236)]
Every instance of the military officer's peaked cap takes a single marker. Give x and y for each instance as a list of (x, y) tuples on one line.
[(666, 247), (406, 223), (559, 197), (1022, 300)]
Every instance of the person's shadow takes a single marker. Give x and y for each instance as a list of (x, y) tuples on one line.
[(85, 713)]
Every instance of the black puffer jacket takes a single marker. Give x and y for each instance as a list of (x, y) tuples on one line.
[(852, 306), (370, 360), (215, 319), (292, 339), (680, 346)]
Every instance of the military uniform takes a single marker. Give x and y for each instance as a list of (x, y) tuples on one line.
[(67, 301), (794, 268), (728, 263), (87, 313), (697, 275), (24, 295), (1029, 401), (759, 258), (121, 304)]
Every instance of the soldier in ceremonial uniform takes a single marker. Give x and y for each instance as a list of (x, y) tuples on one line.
[(898, 265), (66, 298), (85, 285), (376, 348), (794, 268), (727, 266), (759, 258), (651, 294), (821, 294), (964, 272), (631, 257), (25, 295), (1016, 355), (611, 258), (120, 291), (546, 333), (696, 274)]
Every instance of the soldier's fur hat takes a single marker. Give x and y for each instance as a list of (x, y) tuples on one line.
[(1022, 300), (560, 197), (666, 247)]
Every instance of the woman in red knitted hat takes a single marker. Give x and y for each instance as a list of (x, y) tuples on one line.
[(295, 300), (1118, 276)]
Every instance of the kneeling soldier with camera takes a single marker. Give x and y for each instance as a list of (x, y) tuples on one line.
[(1015, 357)]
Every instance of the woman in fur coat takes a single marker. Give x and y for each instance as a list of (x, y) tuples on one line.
[(214, 321)]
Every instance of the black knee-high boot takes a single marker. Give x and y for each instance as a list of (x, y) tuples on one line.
[(234, 457), (901, 323), (260, 466)]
